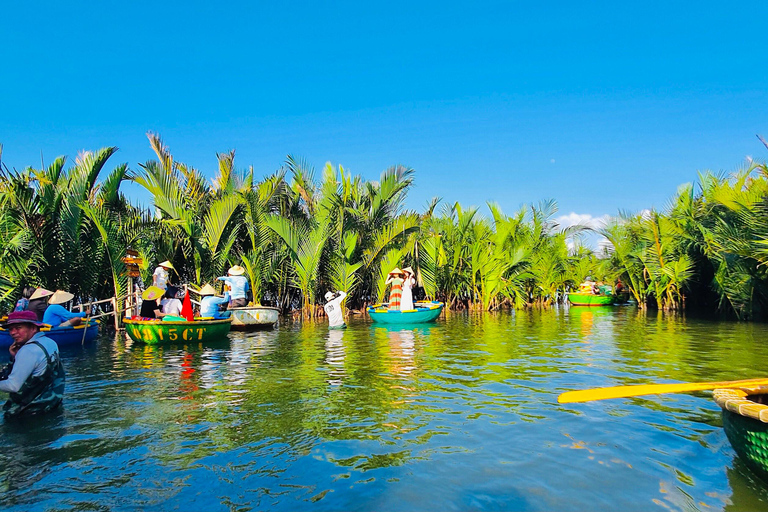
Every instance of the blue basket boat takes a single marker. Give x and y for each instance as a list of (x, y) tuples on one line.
[(422, 312), (61, 335)]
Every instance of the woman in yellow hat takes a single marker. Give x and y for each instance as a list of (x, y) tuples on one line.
[(395, 278)]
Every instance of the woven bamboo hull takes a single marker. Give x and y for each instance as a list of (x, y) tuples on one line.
[(423, 312), (61, 335), (255, 317), (744, 422), (584, 299), (155, 332)]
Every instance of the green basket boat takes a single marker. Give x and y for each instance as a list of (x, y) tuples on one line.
[(586, 299), (153, 332), (745, 421), (422, 312)]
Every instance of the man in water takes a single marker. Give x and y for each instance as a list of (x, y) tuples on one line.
[(333, 310), (35, 377)]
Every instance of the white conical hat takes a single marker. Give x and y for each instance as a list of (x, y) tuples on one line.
[(237, 270), (60, 297), (40, 293), (207, 290)]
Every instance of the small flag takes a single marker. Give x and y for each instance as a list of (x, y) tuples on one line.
[(186, 308)]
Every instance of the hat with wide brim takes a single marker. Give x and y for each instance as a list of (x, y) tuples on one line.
[(22, 317), (237, 270), (166, 264), (329, 295), (207, 290), (409, 270), (40, 293), (60, 297), (153, 292), (396, 271)]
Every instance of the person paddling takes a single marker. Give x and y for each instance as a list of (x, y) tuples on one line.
[(209, 303), (35, 376), (238, 286), (57, 316), (160, 276)]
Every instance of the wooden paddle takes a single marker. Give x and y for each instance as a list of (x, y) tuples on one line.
[(588, 395)]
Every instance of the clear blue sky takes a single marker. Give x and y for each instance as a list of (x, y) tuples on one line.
[(602, 107)]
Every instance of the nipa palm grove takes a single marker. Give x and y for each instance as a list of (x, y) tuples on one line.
[(67, 226)]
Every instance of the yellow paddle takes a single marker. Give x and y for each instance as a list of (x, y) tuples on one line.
[(588, 395)]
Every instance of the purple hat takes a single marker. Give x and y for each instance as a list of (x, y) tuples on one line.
[(22, 317)]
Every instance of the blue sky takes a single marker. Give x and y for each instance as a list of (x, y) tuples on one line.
[(602, 107)]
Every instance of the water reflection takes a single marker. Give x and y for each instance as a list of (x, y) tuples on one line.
[(458, 414)]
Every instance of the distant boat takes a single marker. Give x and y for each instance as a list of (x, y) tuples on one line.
[(61, 335), (422, 312), (253, 317), (588, 299), (154, 332)]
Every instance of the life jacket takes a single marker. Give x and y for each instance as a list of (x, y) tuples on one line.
[(40, 393)]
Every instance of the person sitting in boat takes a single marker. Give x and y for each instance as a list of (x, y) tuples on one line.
[(589, 287), (409, 281), (170, 304), (395, 278), (161, 275), (619, 287), (57, 316), (35, 377), (209, 303), (23, 303), (238, 286), (333, 309), (38, 302), (150, 304)]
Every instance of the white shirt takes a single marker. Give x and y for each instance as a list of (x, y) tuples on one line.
[(333, 310), (30, 360), (161, 275), (171, 306)]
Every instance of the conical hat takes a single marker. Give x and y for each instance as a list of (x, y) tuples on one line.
[(40, 293), (207, 290), (237, 270), (166, 264), (396, 271), (409, 270), (153, 292), (60, 297)]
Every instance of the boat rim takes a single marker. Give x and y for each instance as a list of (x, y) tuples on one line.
[(737, 401), (177, 322)]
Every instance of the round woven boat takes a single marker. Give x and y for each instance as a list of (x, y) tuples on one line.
[(745, 420)]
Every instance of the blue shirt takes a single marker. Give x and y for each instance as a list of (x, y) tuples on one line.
[(238, 285), (55, 315), (209, 305)]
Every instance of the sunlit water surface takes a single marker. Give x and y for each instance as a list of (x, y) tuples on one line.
[(458, 415)]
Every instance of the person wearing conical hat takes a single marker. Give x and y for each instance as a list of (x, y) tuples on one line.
[(238, 286), (34, 378), (395, 278), (161, 275), (406, 302), (57, 316), (333, 309), (209, 302), (150, 303), (38, 302)]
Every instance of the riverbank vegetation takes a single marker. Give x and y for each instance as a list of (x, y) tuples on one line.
[(299, 233)]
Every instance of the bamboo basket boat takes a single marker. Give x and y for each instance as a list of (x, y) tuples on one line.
[(423, 312), (61, 335), (253, 317), (154, 332), (586, 299), (745, 420)]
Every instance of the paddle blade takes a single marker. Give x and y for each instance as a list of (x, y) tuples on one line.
[(589, 395)]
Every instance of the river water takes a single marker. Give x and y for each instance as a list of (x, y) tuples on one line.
[(457, 415)]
